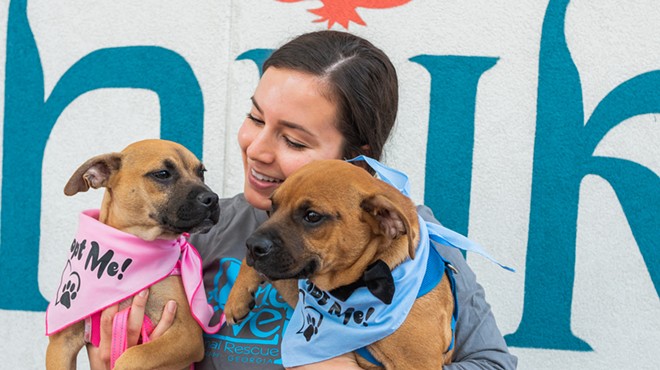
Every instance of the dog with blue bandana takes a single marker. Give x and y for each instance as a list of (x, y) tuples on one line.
[(353, 257)]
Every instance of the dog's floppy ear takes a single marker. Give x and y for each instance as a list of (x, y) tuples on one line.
[(392, 220), (94, 173)]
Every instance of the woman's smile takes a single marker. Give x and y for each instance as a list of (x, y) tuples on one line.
[(292, 122), (263, 183)]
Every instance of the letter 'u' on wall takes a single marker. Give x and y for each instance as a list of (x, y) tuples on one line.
[(30, 119)]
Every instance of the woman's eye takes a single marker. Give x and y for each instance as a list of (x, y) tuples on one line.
[(162, 175), (294, 144), (255, 119), (312, 217)]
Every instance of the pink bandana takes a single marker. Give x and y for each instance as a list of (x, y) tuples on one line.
[(106, 266)]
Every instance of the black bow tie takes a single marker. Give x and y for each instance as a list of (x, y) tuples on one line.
[(377, 278)]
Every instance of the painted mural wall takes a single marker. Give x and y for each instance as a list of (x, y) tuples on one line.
[(531, 126)]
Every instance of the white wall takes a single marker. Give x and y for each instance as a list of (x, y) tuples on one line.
[(615, 306)]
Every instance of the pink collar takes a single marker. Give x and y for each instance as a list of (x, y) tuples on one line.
[(106, 266)]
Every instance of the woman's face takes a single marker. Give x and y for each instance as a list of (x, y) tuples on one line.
[(291, 123)]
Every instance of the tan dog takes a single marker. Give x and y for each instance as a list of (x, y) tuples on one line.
[(329, 222), (155, 190)]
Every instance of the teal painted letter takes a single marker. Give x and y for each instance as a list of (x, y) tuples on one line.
[(563, 155), (258, 56), (450, 144), (28, 121)]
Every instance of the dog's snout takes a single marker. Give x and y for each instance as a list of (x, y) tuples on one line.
[(259, 246), (207, 198)]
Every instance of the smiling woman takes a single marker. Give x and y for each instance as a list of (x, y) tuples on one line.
[(323, 95), (291, 123)]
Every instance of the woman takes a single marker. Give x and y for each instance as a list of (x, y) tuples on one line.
[(322, 95)]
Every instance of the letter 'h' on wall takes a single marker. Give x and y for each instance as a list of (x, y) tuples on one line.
[(28, 121)]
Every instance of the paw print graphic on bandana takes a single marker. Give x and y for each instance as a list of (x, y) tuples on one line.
[(312, 324), (69, 287), (69, 291), (312, 320)]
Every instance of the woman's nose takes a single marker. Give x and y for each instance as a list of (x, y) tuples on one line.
[(262, 147)]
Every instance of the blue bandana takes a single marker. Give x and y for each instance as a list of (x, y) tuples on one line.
[(324, 326)]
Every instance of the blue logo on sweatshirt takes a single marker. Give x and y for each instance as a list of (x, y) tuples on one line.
[(256, 339)]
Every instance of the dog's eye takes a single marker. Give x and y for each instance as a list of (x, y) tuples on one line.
[(162, 175), (312, 217), (200, 172)]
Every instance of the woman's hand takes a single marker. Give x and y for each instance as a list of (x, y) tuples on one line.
[(99, 358), (346, 361)]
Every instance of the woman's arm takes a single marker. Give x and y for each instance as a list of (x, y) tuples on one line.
[(479, 343)]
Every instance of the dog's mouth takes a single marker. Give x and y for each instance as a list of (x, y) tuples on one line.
[(202, 223), (305, 272)]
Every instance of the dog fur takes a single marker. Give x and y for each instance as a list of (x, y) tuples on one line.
[(148, 186), (329, 221)]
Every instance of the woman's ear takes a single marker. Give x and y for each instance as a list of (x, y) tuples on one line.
[(366, 150), (353, 152)]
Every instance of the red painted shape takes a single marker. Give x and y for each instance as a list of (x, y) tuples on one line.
[(344, 11)]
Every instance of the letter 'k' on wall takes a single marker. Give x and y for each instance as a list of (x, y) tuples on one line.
[(563, 154)]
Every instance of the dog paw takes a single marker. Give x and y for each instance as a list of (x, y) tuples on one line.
[(238, 306)]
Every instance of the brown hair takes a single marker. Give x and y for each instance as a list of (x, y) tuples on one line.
[(361, 79)]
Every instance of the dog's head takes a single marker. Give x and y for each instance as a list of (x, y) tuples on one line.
[(329, 221), (154, 189)]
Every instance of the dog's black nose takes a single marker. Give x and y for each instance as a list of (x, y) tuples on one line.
[(207, 198), (259, 246)]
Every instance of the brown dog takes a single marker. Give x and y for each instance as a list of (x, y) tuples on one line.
[(329, 222), (154, 190)]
